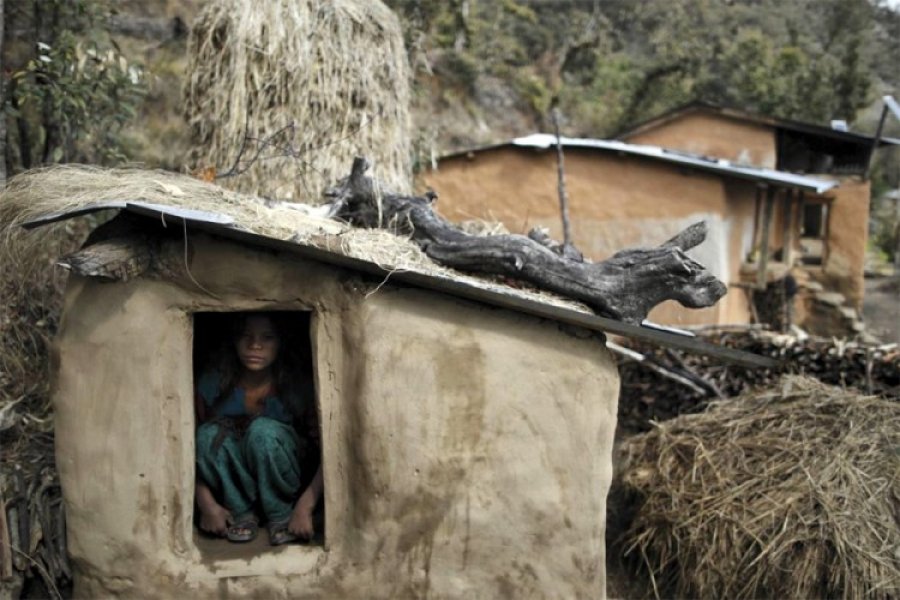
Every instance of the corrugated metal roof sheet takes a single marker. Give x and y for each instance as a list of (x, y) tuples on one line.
[(713, 165), (783, 124), (222, 225)]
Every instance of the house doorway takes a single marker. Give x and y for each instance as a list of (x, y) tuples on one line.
[(257, 435)]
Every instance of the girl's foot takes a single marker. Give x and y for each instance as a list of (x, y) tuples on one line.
[(243, 528), (279, 533)]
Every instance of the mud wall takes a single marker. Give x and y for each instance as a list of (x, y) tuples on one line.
[(467, 450), (615, 202), (846, 240), (713, 135)]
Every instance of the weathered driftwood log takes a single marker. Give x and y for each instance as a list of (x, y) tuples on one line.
[(123, 249), (626, 286)]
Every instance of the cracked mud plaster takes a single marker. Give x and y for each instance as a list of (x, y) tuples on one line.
[(467, 450)]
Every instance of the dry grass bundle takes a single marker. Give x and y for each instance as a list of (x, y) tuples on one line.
[(30, 302), (68, 187), (312, 82), (65, 188), (787, 493)]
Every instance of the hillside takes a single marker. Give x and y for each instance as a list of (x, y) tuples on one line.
[(489, 70)]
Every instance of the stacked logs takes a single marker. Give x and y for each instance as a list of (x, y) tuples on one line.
[(33, 559), (648, 395)]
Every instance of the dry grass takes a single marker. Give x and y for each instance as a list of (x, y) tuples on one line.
[(64, 188), (792, 492), (68, 187), (335, 69)]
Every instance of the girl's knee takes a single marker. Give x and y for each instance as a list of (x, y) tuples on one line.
[(265, 428), (269, 435), (206, 436)]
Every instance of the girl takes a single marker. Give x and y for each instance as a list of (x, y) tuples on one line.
[(248, 451)]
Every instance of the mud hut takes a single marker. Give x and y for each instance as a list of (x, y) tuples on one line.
[(449, 408), (282, 95)]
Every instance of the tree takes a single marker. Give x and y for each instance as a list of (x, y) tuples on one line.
[(69, 90), (3, 104), (611, 63)]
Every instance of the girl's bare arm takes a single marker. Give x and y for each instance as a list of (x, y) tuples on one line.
[(301, 519), (213, 516)]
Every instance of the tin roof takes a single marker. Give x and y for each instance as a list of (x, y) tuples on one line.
[(715, 165), (804, 127), (543, 141), (225, 226)]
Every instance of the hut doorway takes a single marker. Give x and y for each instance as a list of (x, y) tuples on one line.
[(257, 437)]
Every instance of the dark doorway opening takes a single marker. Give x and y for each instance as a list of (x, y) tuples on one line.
[(258, 442)]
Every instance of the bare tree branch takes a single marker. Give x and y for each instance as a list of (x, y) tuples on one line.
[(626, 286)]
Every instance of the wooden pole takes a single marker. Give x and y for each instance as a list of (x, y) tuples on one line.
[(897, 236), (787, 229), (764, 241), (889, 105), (875, 141), (757, 208), (561, 183)]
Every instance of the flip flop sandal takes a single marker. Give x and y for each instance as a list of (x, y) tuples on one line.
[(243, 529), (279, 534)]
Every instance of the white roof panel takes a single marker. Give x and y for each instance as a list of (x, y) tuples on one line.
[(725, 167)]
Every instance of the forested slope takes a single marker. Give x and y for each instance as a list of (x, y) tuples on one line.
[(489, 68), (484, 70)]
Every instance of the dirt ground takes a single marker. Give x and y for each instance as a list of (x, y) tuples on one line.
[(881, 308)]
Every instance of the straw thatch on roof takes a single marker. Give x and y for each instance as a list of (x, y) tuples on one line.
[(296, 90), (65, 188), (791, 492)]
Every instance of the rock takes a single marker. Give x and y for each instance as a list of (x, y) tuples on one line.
[(830, 298), (848, 313)]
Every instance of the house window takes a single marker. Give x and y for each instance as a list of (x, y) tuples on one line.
[(258, 448), (814, 232)]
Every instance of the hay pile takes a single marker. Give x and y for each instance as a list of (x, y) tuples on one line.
[(313, 83), (792, 492), (67, 187), (31, 290)]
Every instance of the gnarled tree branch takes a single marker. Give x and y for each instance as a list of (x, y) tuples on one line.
[(626, 286)]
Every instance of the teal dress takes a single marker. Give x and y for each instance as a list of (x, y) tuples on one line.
[(248, 461)]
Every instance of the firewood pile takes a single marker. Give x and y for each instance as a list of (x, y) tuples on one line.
[(670, 383), (32, 527)]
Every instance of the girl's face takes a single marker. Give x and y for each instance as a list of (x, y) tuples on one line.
[(257, 345)]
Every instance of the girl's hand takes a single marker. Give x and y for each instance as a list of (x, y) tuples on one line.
[(214, 519), (301, 523)]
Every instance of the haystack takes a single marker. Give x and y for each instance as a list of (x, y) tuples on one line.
[(282, 95), (787, 493)]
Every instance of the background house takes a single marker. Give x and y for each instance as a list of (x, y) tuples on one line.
[(623, 195), (834, 228), (732, 170)]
